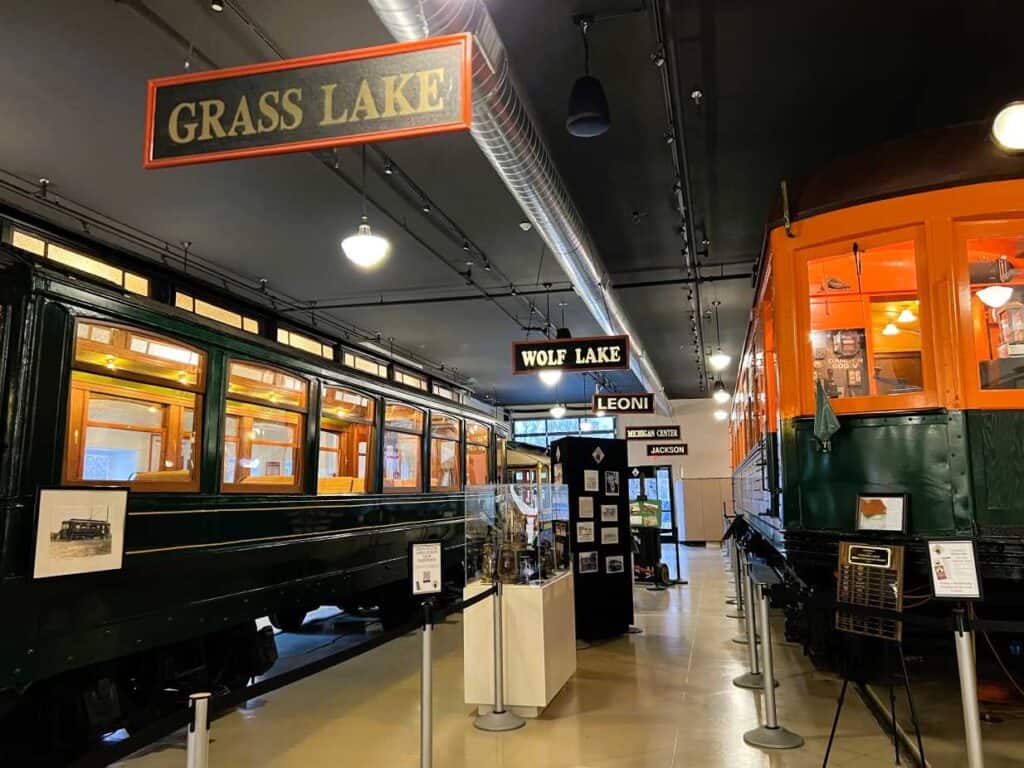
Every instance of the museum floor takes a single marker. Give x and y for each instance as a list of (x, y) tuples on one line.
[(662, 698)]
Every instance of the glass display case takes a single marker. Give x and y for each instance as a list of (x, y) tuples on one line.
[(518, 533)]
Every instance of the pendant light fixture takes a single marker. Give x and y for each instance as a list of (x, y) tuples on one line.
[(588, 106), (720, 393), (719, 360), (557, 410), (552, 376), (891, 329), (1008, 127), (721, 415), (906, 316), (365, 249)]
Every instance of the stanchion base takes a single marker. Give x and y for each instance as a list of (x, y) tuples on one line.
[(736, 615), (752, 681), (773, 738), (730, 601), (499, 721), (741, 640)]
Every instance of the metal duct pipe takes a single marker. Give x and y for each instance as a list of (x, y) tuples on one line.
[(505, 131)]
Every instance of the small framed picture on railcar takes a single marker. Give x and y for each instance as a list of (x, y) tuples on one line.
[(882, 512), (79, 530)]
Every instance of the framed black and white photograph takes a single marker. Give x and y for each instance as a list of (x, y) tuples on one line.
[(611, 483), (79, 531), (609, 513), (614, 564), (584, 533), (556, 474), (591, 483), (882, 512), (586, 507), (610, 534), (588, 562)]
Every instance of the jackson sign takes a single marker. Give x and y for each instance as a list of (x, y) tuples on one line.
[(591, 353), (630, 402), (675, 449), (653, 433), (316, 102)]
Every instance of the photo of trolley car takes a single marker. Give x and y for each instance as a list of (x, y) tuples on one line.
[(896, 279), (271, 469)]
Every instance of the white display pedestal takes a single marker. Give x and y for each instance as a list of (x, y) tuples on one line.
[(539, 628)]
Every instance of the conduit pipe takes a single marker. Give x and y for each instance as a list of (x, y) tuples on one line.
[(505, 132)]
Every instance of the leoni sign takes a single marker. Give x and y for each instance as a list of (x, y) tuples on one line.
[(653, 433), (592, 353), (674, 449), (316, 102), (631, 402)]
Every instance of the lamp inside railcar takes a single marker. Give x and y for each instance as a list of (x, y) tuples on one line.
[(996, 268)]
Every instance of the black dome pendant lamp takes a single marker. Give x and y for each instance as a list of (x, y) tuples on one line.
[(588, 106)]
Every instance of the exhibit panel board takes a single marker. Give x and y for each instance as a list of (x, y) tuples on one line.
[(594, 470)]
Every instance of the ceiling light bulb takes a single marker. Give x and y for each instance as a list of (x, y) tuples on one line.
[(1008, 127), (720, 393), (721, 415), (890, 330), (550, 377), (719, 360), (906, 316), (600, 413), (586, 426), (216, 5), (995, 296), (364, 248), (557, 411)]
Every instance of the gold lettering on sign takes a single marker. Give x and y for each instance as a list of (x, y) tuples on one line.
[(243, 120), (174, 126), (328, 118), (430, 85), (290, 104), (395, 102), (212, 111), (364, 103), (269, 116)]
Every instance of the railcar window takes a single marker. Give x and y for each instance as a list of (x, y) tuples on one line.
[(403, 448), (263, 429), (365, 364), (996, 268), (130, 281), (445, 465), (865, 321), (346, 442), (215, 312), (478, 454), (305, 343), (132, 415)]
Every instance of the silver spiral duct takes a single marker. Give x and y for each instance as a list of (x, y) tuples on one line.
[(505, 131)]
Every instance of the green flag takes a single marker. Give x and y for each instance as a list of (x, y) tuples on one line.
[(825, 422)]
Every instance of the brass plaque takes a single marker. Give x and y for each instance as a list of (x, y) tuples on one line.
[(870, 576)]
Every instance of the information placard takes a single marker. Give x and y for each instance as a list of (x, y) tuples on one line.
[(954, 569), (425, 568)]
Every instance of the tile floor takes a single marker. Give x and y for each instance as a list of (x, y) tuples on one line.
[(660, 699)]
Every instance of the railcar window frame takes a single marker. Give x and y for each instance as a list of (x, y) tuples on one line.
[(90, 383), (440, 421), (468, 426), (927, 395), (402, 431), (254, 408), (372, 444)]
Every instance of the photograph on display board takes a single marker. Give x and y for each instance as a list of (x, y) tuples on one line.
[(614, 564), (585, 533), (609, 513), (882, 512), (586, 506), (611, 483), (588, 562), (80, 531), (609, 535), (591, 482), (556, 473)]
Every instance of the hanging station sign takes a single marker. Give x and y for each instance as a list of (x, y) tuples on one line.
[(316, 102), (624, 402), (672, 449), (590, 353), (653, 433)]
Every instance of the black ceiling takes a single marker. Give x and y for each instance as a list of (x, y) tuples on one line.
[(784, 87)]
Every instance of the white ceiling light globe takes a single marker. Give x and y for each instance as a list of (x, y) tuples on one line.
[(365, 249), (719, 360), (995, 296), (557, 411), (1008, 127), (721, 415), (551, 377)]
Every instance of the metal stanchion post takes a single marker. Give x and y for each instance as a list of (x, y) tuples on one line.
[(197, 744), (965, 662), (771, 735), (426, 689), (744, 574), (498, 719), (753, 679), (736, 613)]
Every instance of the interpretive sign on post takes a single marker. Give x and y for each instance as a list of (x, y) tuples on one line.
[(425, 564), (317, 102)]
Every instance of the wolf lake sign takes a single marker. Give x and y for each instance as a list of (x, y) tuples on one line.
[(628, 402), (316, 102), (591, 353)]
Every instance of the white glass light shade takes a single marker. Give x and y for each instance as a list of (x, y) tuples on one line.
[(995, 295), (890, 330), (557, 411), (1008, 127), (721, 415), (719, 360), (365, 249), (550, 378)]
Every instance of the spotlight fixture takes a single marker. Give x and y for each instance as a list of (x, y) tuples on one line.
[(995, 296), (720, 393), (550, 377), (365, 249), (1008, 127), (525, 226), (557, 410), (721, 415), (425, 207), (588, 106), (658, 58), (388, 168), (906, 316), (670, 138), (216, 5)]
